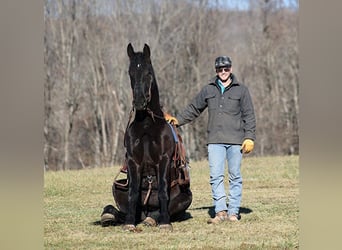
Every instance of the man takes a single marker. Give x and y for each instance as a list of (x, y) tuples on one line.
[(231, 132)]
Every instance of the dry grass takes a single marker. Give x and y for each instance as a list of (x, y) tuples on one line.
[(73, 200)]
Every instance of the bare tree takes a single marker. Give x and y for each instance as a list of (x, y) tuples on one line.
[(63, 42), (273, 74), (87, 90)]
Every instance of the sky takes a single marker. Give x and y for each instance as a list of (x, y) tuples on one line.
[(243, 4)]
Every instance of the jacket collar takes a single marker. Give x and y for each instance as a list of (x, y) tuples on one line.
[(213, 81)]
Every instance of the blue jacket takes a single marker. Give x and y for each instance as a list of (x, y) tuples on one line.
[(231, 114)]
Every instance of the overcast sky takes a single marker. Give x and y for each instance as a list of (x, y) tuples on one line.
[(243, 4)]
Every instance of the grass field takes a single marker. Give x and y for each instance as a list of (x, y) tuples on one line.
[(73, 201)]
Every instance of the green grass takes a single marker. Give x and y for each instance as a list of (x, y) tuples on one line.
[(73, 200)]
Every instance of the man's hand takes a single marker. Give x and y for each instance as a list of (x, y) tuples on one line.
[(247, 146), (170, 119)]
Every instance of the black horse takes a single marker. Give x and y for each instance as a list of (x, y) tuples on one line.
[(158, 187)]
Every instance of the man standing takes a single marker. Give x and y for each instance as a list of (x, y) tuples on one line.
[(231, 132)]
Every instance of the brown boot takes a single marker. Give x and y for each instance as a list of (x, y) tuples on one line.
[(219, 218), (233, 217)]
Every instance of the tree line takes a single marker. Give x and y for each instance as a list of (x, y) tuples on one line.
[(87, 91)]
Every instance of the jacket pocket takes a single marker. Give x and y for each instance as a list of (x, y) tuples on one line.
[(212, 101), (232, 105)]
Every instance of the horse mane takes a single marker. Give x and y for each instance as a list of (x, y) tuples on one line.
[(155, 102)]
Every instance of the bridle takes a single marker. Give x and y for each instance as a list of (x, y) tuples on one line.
[(149, 111)]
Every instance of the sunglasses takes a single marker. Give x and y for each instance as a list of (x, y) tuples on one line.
[(220, 70)]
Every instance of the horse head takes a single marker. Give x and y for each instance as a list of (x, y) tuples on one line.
[(142, 77)]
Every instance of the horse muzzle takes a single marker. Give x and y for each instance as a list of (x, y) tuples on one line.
[(140, 105)]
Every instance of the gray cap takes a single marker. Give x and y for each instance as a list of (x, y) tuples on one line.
[(223, 61)]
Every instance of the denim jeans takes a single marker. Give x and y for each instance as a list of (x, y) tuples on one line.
[(217, 156)]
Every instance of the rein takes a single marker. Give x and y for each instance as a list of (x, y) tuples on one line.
[(152, 114), (149, 111), (149, 180)]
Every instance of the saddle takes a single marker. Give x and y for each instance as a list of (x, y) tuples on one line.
[(179, 159)]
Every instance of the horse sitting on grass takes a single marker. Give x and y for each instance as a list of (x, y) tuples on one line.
[(157, 188)]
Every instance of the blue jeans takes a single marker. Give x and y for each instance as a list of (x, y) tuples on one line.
[(217, 156)]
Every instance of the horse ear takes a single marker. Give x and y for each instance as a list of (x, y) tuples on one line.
[(147, 51), (130, 50)]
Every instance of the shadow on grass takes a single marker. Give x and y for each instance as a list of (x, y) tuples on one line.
[(211, 210)]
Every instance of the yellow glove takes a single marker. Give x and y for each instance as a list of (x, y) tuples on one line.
[(247, 146), (170, 119)]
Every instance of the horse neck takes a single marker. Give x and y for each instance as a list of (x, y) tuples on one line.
[(154, 104)]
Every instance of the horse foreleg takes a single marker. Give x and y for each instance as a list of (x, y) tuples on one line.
[(133, 195), (164, 193)]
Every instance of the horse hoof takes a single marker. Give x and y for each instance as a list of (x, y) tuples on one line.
[(131, 228), (107, 219), (166, 227), (150, 222)]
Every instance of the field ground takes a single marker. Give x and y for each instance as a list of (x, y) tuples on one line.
[(73, 201)]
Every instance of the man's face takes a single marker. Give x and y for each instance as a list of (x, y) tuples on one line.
[(223, 73)]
